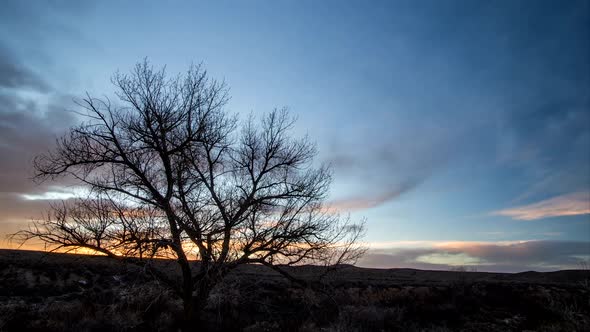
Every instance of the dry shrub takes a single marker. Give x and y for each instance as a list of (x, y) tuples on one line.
[(225, 300), (139, 307), (367, 318)]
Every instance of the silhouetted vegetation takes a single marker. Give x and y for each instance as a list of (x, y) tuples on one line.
[(56, 292)]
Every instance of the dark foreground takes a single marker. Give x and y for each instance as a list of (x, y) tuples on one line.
[(58, 292)]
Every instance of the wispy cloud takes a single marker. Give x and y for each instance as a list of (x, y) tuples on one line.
[(564, 205), (369, 201), (57, 193), (354, 204)]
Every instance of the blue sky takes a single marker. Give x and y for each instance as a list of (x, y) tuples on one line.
[(457, 128)]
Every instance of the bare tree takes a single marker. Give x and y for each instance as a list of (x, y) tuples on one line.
[(170, 171)]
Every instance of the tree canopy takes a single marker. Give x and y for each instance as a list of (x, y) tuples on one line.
[(171, 171)]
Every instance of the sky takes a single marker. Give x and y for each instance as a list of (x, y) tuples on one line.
[(459, 129)]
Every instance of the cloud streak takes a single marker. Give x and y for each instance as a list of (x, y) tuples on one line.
[(565, 205), (369, 201)]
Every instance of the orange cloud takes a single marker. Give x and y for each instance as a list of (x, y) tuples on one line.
[(564, 205)]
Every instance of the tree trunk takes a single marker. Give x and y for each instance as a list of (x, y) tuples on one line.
[(194, 306), (189, 314), (188, 302), (204, 288)]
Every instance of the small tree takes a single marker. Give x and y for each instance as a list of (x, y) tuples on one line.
[(169, 171)]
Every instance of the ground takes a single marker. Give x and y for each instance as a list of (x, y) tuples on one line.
[(62, 292)]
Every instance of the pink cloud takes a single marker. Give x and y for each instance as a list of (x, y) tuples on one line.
[(564, 205)]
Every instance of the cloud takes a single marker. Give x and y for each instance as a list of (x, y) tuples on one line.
[(58, 194), (382, 169), (32, 115), (510, 256), (16, 75), (564, 205), (34, 27), (26, 129), (368, 202)]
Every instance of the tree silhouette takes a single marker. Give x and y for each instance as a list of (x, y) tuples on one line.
[(171, 172)]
